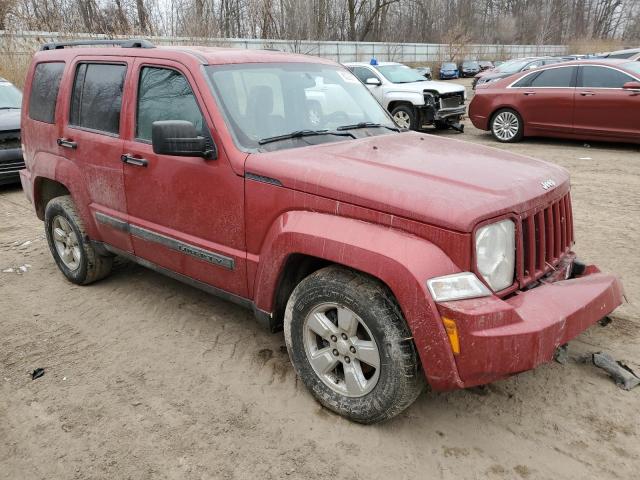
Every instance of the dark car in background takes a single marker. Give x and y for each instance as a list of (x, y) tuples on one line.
[(511, 67), (628, 54), (10, 149), (449, 70), (485, 65), (425, 72), (469, 68)]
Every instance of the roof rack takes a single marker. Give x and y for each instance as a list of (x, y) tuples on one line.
[(136, 43)]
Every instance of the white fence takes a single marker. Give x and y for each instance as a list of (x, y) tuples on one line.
[(25, 43)]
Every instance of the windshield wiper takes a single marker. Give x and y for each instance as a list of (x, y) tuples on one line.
[(302, 133), (366, 125), (9, 108)]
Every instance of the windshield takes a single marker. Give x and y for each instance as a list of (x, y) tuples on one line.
[(265, 100), (632, 67), (448, 66), (470, 64), (400, 74), (512, 66), (10, 96)]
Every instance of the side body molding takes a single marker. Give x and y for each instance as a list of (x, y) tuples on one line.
[(402, 261)]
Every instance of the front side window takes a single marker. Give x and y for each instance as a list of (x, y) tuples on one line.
[(44, 91), (262, 101), (551, 78), (165, 94), (603, 77), (363, 73), (97, 97)]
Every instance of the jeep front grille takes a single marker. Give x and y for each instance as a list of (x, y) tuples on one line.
[(546, 235)]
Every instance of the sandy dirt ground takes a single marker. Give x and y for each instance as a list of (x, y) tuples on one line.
[(148, 378)]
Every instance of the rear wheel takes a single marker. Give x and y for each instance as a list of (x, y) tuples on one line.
[(69, 244), (350, 345), (405, 116), (507, 126)]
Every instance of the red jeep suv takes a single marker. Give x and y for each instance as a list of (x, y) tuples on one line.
[(278, 182)]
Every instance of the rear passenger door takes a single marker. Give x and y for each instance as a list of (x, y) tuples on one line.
[(186, 214), (603, 107), (545, 99), (91, 137)]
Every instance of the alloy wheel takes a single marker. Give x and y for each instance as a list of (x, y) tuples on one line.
[(402, 119), (341, 350), (506, 126), (66, 242)]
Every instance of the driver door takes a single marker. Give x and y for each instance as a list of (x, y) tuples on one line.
[(185, 213)]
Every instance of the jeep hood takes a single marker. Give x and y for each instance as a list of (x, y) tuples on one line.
[(419, 87), (448, 183)]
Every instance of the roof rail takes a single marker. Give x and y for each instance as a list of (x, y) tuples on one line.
[(136, 43)]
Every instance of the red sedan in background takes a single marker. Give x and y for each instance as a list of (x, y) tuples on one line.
[(587, 100)]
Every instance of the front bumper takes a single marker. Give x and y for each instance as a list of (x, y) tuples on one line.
[(499, 338), (11, 162), (445, 113)]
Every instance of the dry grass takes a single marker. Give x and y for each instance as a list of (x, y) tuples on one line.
[(13, 67), (587, 45)]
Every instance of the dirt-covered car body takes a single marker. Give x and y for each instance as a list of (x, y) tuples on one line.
[(411, 210)]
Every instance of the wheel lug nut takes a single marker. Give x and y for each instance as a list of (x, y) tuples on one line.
[(344, 336), (334, 338), (352, 349), (335, 352), (347, 359)]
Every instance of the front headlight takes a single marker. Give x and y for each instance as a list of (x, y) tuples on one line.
[(496, 253), (458, 286)]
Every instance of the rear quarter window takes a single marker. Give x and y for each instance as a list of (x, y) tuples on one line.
[(44, 91)]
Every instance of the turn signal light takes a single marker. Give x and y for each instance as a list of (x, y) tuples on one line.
[(452, 333)]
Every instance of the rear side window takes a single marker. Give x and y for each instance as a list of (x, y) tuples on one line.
[(97, 97), (603, 77), (165, 94), (44, 91)]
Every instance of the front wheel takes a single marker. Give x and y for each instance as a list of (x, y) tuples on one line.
[(507, 126), (405, 116), (350, 345)]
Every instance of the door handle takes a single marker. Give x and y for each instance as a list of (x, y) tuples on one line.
[(131, 160), (65, 142), (587, 94), (529, 93)]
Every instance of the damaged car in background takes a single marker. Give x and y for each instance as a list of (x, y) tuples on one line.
[(414, 103)]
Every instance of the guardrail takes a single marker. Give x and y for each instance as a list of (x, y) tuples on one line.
[(25, 43)]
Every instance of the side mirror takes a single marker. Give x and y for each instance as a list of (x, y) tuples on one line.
[(373, 81), (180, 138), (633, 86)]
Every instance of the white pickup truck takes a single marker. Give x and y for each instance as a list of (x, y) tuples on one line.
[(414, 103)]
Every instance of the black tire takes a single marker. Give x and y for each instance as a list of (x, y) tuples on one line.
[(91, 266), (493, 126), (407, 111), (400, 379)]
